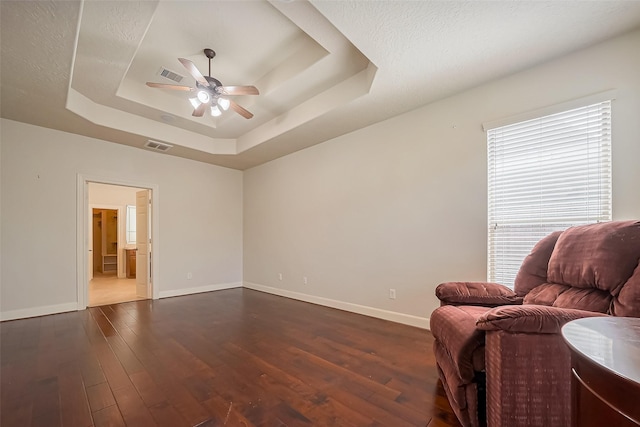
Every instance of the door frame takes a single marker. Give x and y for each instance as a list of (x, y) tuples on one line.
[(82, 232)]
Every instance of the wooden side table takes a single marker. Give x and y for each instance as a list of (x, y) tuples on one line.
[(605, 360)]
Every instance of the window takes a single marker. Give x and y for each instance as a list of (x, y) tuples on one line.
[(131, 224), (545, 174)]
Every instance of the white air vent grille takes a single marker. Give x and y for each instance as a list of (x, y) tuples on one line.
[(158, 146), (166, 73)]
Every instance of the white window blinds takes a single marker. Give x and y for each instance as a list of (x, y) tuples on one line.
[(545, 174)]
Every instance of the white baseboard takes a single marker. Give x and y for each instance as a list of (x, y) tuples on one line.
[(38, 311), (199, 289), (406, 319)]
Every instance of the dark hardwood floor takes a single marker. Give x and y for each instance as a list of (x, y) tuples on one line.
[(235, 358)]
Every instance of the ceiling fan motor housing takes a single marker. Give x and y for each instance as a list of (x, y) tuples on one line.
[(214, 84)]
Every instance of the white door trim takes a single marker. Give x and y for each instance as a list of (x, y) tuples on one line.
[(82, 229)]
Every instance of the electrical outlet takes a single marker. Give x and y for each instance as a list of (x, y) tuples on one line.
[(189, 276), (280, 276), (305, 281), (392, 294)]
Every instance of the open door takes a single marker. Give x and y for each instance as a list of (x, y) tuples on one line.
[(143, 244)]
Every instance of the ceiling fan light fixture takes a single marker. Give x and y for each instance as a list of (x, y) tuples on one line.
[(215, 111), (203, 96), (208, 91), (224, 103)]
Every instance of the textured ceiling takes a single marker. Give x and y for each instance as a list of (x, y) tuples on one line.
[(324, 68)]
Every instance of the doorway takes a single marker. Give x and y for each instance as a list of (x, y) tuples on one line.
[(115, 273), (105, 241)]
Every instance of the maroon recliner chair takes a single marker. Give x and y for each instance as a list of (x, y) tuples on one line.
[(500, 355)]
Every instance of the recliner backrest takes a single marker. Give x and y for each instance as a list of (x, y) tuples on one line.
[(591, 267)]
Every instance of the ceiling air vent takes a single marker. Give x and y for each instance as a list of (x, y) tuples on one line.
[(158, 146), (170, 75)]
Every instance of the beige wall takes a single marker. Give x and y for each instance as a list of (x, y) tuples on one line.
[(200, 216), (402, 204), (112, 195)]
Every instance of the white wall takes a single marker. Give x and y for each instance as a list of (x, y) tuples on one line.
[(402, 204), (200, 215)]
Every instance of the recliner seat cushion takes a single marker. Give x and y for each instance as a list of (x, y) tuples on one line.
[(563, 296)]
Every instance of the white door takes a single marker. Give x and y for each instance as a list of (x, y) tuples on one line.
[(143, 244)]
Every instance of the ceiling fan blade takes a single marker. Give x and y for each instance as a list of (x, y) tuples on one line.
[(173, 87), (240, 110), (193, 70), (199, 111), (239, 90)]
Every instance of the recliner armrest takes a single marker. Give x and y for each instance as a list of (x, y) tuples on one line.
[(530, 318), (476, 293)]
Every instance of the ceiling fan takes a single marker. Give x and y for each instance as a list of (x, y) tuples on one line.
[(210, 92)]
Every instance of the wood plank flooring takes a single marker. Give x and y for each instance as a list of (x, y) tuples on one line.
[(228, 358), (107, 289)]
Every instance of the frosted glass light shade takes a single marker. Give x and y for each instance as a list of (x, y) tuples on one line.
[(203, 96), (224, 103)]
